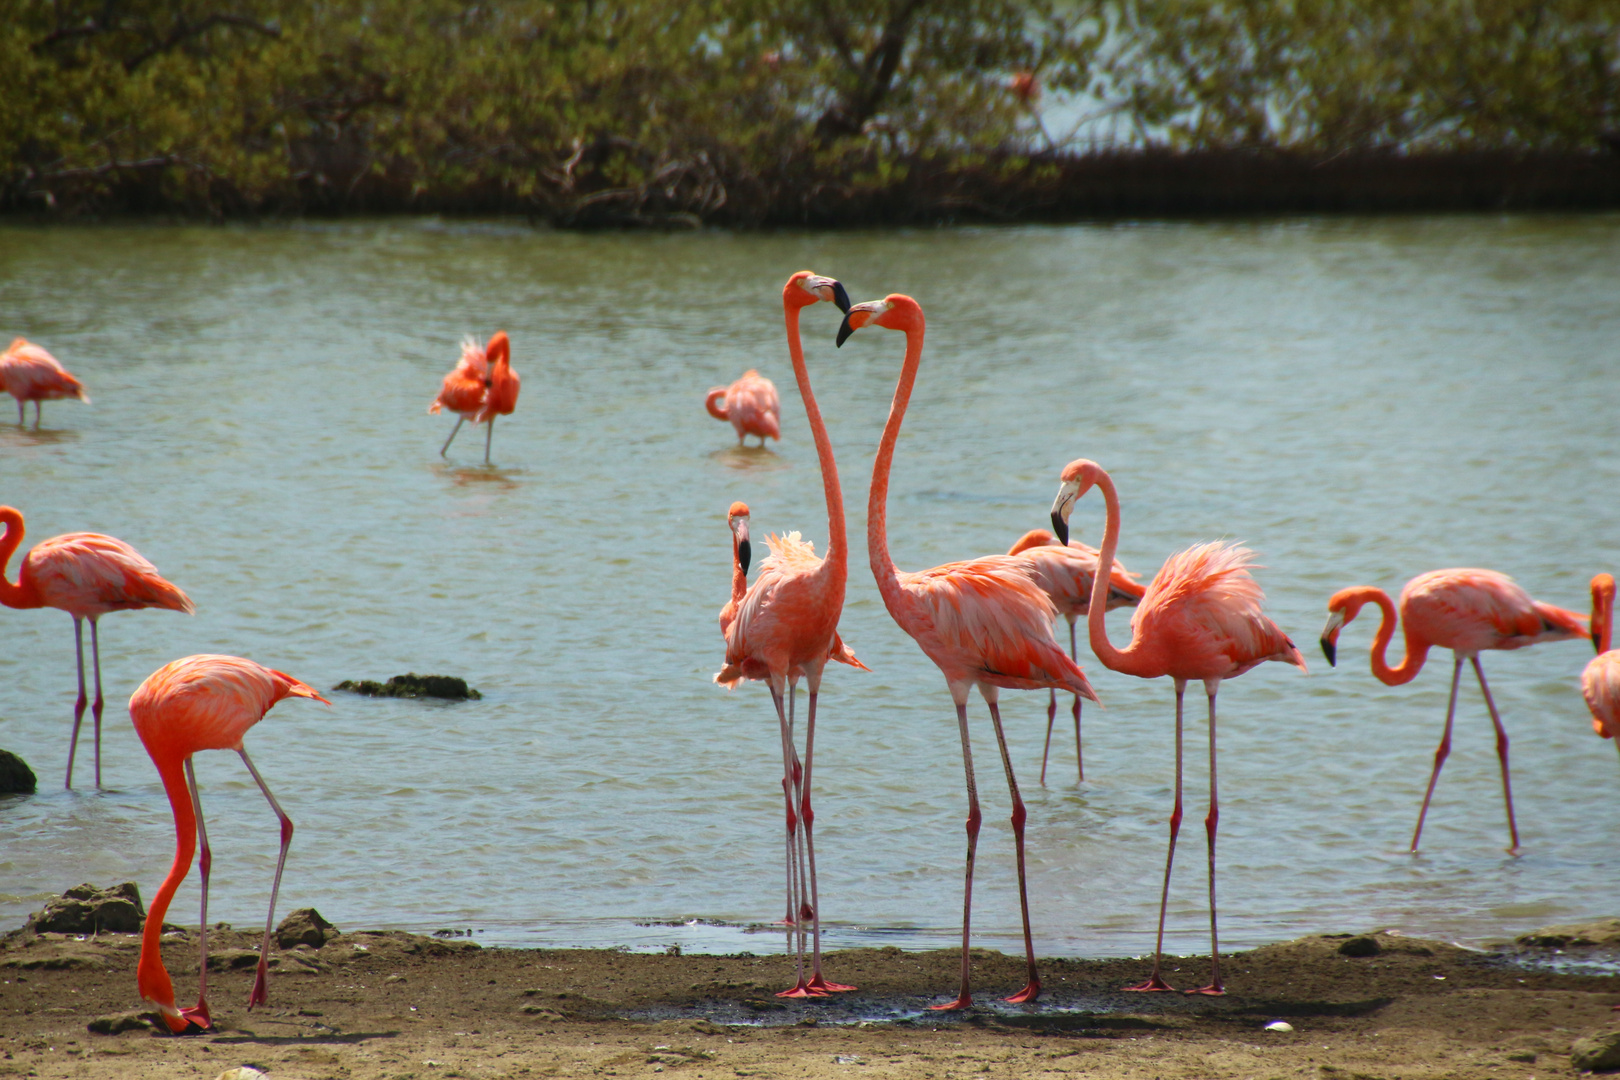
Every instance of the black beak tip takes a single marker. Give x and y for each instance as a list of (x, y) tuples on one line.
[(743, 555), (1331, 651), (844, 330), (840, 296), (1060, 528)]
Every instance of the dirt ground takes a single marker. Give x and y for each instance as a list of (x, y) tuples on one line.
[(402, 1007)]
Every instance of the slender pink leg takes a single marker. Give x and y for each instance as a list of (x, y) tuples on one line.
[(36, 415), (790, 789), (790, 794), (1440, 753), (1215, 986), (1501, 752), (21, 417), (803, 914), (963, 997), (259, 996), (96, 705), (1156, 981), (84, 699), (446, 447), (489, 437), (1032, 988), (205, 861), (1079, 756), (1051, 715), (818, 982)]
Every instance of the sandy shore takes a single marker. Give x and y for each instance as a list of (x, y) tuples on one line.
[(396, 1006)]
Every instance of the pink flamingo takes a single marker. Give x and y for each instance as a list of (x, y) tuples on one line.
[(86, 575), (786, 627), (480, 387), (29, 373), (1064, 572), (202, 703), (984, 622), (1199, 619), (750, 404), (1600, 682), (1464, 610)]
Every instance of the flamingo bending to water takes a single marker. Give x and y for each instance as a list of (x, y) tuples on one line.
[(786, 627), (1065, 573), (984, 622), (750, 404), (197, 703), (1600, 682), (29, 373), (1464, 610), (1199, 619), (86, 575), (480, 387)]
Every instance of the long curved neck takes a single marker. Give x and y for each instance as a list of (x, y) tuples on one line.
[(154, 979), (837, 561), (712, 403), (1096, 627), (877, 502), (19, 594), (1602, 618), (1416, 651)]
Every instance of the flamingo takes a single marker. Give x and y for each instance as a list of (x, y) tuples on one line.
[(1199, 619), (1464, 610), (1065, 573), (480, 387), (205, 702), (984, 622), (1600, 682), (86, 575), (786, 627), (29, 373), (750, 404)]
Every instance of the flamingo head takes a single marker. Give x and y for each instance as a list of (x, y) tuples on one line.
[(737, 519), (1343, 606), (1602, 611), (498, 351), (805, 288), (894, 312), (1077, 478)]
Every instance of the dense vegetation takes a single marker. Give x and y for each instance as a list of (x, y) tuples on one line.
[(747, 112)]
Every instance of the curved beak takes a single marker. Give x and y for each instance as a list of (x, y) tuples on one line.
[(844, 330), (840, 296), (1060, 528), (858, 316), (1060, 512), (744, 549), (1330, 637)]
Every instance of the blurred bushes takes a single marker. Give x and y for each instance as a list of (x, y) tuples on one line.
[(595, 112)]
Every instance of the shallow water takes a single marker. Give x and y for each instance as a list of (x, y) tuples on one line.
[(1358, 399)]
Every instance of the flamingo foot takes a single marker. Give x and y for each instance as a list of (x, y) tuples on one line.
[(802, 990), (260, 994), (963, 1001), (1027, 994), (819, 983), (1155, 982), (1214, 989)]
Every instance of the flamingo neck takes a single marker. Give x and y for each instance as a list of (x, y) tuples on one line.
[(1125, 660), (877, 503), (21, 594), (1602, 624), (712, 403), (151, 976), (1417, 650), (836, 564)]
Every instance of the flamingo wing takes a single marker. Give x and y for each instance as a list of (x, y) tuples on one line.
[(1469, 609), (30, 373), (87, 574), (1206, 607), (1600, 686)]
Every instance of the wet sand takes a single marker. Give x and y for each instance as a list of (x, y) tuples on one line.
[(403, 1007)]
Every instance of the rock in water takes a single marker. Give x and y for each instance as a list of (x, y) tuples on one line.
[(1604, 932), (16, 778), (412, 685), (304, 927), (1598, 1052), (85, 909)]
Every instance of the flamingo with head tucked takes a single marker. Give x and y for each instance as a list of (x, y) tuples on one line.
[(86, 575), (1600, 682), (751, 406), (1199, 619), (202, 703), (984, 622), (1465, 610), (481, 387), (29, 373)]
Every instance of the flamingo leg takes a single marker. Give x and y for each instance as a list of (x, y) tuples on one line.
[(259, 995), (803, 912), (1032, 989), (446, 447), (1215, 987), (1501, 751), (84, 699), (1441, 752), (36, 414), (1155, 981), (96, 705), (205, 861), (789, 790), (1051, 715), (1079, 757), (21, 417), (818, 982), (963, 997), (489, 437), (790, 793)]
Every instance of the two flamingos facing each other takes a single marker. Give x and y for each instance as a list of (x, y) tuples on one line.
[(984, 622), (785, 627), (1464, 610), (750, 404), (479, 388), (29, 373), (1065, 573), (205, 702), (86, 575), (1199, 619), (1600, 682)]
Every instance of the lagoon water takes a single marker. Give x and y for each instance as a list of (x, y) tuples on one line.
[(1360, 400)]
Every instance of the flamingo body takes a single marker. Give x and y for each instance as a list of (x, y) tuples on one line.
[(479, 388), (750, 404), (29, 373), (780, 623), (1600, 682)]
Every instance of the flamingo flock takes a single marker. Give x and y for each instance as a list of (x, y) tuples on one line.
[(986, 622)]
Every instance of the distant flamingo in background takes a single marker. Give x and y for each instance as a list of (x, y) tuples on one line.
[(1064, 572), (86, 575), (205, 702), (750, 404), (1464, 610), (480, 387), (29, 373), (1199, 619), (984, 622), (1600, 682), (786, 626)]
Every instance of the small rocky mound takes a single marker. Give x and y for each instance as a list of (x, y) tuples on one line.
[(1602, 932), (412, 685), (305, 927), (1596, 1052), (16, 778), (85, 909)]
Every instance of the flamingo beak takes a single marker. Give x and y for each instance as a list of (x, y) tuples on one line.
[(1062, 506), (744, 549), (857, 317), (1330, 638), (840, 296), (1060, 528)]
